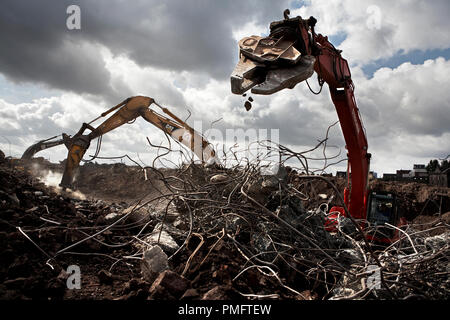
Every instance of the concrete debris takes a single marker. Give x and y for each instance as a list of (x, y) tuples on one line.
[(138, 214), (175, 284), (437, 242), (163, 239), (241, 235), (173, 230), (105, 277), (179, 224), (219, 178), (216, 293), (190, 294), (112, 217), (154, 261)]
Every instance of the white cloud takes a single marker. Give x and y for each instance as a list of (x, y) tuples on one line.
[(409, 99), (383, 28), (405, 109)]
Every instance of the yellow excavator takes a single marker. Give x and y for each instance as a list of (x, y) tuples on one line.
[(127, 111)]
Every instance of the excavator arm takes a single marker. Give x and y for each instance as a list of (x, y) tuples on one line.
[(289, 55), (334, 70), (126, 111), (42, 145)]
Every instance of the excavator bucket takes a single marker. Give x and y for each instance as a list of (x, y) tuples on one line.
[(78, 146), (270, 64), (74, 157)]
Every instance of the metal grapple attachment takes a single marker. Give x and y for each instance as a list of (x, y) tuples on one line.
[(270, 64)]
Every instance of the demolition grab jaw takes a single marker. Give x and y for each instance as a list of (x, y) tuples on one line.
[(268, 65)]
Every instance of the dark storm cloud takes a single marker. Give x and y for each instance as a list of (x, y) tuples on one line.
[(177, 34), (37, 47), (173, 35)]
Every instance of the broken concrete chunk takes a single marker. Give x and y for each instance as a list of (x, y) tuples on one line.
[(175, 284), (165, 241), (272, 176), (172, 230), (112, 217), (142, 214), (270, 183), (437, 242), (63, 275), (216, 293), (179, 224), (190, 294), (154, 261)]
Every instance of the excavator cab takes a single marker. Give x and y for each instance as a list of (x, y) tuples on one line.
[(382, 209)]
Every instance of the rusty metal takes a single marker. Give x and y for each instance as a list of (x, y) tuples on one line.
[(246, 75), (266, 65), (282, 78), (269, 50)]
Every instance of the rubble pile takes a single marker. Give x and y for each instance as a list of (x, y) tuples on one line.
[(36, 224), (276, 234), (199, 232), (416, 199), (111, 182)]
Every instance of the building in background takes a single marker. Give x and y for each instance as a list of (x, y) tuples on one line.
[(440, 178), (341, 174), (390, 176), (403, 174), (419, 173)]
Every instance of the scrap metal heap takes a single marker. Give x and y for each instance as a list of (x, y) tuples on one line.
[(215, 232)]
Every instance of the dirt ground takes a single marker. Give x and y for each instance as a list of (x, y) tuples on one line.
[(38, 223)]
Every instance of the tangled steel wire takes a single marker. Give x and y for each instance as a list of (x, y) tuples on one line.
[(273, 223), (256, 225)]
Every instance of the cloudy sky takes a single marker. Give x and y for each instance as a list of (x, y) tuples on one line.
[(182, 53)]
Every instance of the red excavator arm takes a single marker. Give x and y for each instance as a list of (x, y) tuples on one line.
[(291, 54), (334, 70)]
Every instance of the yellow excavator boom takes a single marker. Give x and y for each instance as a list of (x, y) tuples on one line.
[(127, 111)]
